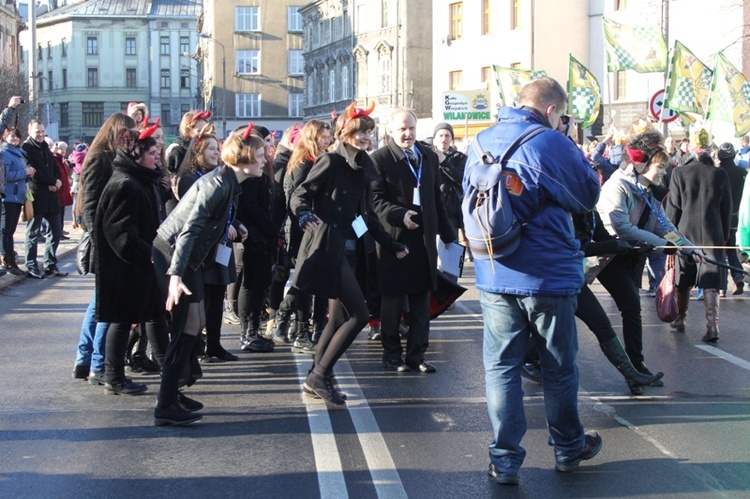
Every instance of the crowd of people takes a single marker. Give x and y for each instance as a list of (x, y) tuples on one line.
[(206, 231)]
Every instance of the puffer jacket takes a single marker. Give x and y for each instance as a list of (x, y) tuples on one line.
[(15, 174), (547, 172), (199, 220)]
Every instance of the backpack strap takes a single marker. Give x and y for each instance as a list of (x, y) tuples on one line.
[(528, 134)]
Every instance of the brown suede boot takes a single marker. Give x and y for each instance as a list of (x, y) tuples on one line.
[(683, 301), (711, 299)]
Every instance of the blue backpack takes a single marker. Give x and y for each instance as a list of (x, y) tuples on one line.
[(491, 229)]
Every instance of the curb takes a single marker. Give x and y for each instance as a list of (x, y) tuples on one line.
[(70, 248)]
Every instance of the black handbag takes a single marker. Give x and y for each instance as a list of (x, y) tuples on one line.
[(83, 254)]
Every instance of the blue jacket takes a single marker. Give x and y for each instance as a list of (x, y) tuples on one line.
[(15, 174), (550, 172)]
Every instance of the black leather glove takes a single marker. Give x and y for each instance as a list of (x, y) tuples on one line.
[(623, 247), (671, 249)]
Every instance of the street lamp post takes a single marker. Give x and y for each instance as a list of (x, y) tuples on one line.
[(223, 80)]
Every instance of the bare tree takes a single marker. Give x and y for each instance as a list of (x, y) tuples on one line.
[(13, 82)]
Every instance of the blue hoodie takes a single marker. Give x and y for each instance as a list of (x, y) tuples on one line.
[(547, 169), (15, 174)]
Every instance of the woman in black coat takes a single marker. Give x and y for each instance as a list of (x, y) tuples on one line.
[(334, 207), (700, 205), (126, 221)]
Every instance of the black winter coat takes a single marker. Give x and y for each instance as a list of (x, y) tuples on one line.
[(176, 153), (255, 212), (336, 191), (451, 178), (736, 177), (95, 173), (392, 191), (700, 205), (279, 201), (47, 174), (126, 223), (292, 180)]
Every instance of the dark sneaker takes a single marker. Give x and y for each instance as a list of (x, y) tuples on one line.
[(96, 378), (81, 371), (258, 344), (174, 415), (54, 272), (503, 478), (374, 333), (34, 273), (141, 363), (591, 447), (126, 387)]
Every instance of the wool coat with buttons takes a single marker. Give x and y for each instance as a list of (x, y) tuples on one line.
[(38, 155), (393, 191), (336, 190)]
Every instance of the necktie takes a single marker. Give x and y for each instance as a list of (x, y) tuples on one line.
[(411, 158)]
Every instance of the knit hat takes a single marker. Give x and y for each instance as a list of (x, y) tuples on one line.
[(726, 151), (81, 147), (443, 126)]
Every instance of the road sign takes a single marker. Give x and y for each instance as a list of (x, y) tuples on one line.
[(655, 105)]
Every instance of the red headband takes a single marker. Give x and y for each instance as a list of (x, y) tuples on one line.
[(149, 131), (202, 115), (355, 112), (635, 155)]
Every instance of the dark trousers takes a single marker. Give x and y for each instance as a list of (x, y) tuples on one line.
[(114, 357), (51, 236), (617, 278), (418, 318), (213, 303), (11, 212), (590, 311), (256, 278)]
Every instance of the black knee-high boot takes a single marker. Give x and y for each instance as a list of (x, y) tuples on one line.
[(157, 332), (168, 411)]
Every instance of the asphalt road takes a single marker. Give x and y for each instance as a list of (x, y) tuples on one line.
[(407, 435)]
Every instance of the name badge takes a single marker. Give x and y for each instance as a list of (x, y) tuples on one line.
[(416, 199), (359, 226), (223, 254)]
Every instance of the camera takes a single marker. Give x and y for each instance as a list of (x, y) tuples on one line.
[(23, 101)]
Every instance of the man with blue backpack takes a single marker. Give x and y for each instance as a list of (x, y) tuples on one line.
[(528, 282)]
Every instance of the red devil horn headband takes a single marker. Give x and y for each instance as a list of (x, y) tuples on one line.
[(149, 131), (248, 132), (203, 115), (355, 112)]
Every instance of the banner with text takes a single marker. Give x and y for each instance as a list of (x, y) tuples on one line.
[(460, 105)]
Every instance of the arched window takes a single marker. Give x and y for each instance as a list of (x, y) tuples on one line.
[(332, 86)]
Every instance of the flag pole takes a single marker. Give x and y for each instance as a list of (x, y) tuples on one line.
[(667, 76)]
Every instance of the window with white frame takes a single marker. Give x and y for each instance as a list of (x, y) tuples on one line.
[(92, 45), (296, 103), (331, 86), (184, 44), (345, 83), (164, 45), (246, 19), (165, 79), (130, 45), (248, 105), (294, 19), (295, 62), (385, 74), (248, 62)]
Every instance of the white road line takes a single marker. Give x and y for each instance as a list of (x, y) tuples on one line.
[(385, 477), (383, 470), (726, 356), (327, 460)]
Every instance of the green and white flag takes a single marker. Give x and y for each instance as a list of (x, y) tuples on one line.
[(510, 81), (640, 48), (730, 97), (689, 82), (584, 95)]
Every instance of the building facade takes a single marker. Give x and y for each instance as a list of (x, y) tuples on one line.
[(471, 36), (10, 27), (96, 56), (252, 59)]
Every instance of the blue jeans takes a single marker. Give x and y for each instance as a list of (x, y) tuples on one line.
[(52, 232), (92, 339), (509, 322)]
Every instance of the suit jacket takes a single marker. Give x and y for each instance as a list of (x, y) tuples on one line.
[(393, 190)]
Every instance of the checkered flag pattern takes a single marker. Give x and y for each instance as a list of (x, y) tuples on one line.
[(582, 102), (639, 48)]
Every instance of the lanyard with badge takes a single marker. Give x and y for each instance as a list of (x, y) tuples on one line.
[(416, 199), (224, 248), (672, 236)]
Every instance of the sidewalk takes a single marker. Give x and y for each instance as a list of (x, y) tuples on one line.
[(64, 250)]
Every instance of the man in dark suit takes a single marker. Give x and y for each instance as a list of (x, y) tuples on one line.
[(407, 199)]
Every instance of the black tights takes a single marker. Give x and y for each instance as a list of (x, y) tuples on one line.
[(341, 330)]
